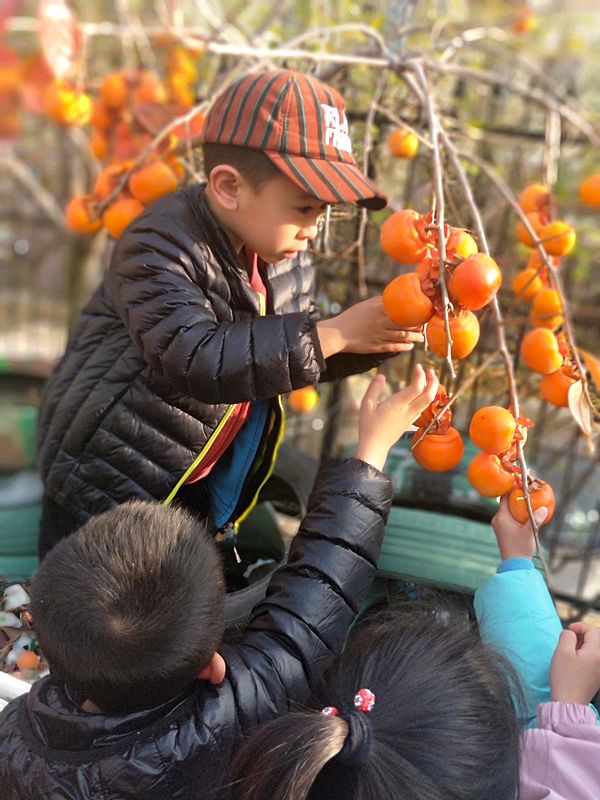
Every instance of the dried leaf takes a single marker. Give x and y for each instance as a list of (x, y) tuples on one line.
[(581, 410), (59, 35)]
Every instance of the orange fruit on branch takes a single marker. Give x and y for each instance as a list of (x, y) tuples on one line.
[(149, 89), (546, 304), (475, 281), (108, 178), (438, 452), (537, 222), (152, 181), (555, 386), (487, 475), (540, 493), (114, 90), (402, 236), (492, 429), (405, 303), (402, 143), (460, 243), (527, 283), (535, 197), (558, 238), (589, 190), (67, 106), (464, 332), (79, 215), (540, 351), (536, 261), (119, 214)]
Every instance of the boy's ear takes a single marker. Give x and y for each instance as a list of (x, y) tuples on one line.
[(214, 671), (225, 182)]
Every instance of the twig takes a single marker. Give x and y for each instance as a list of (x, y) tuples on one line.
[(27, 178), (438, 193)]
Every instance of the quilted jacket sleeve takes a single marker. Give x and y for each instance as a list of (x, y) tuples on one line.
[(170, 319), (303, 621)]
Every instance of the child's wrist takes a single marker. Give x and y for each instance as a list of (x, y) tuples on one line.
[(331, 338), (372, 454)]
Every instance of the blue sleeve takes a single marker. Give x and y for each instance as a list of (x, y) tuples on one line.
[(516, 615)]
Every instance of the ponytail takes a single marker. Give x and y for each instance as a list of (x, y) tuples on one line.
[(284, 761)]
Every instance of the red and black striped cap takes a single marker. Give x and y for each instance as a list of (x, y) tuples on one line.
[(301, 125)]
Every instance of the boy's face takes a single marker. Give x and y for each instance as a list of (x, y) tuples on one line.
[(278, 220)]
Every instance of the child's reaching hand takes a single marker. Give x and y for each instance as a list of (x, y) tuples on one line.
[(365, 328), (380, 425), (514, 539), (575, 667)]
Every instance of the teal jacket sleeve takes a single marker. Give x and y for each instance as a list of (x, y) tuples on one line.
[(516, 615)]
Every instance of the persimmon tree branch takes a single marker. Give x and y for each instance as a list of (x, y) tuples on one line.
[(438, 200)]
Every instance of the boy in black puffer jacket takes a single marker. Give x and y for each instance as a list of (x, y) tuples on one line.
[(129, 613), (170, 386)]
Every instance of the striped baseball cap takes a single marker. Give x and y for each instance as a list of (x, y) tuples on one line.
[(301, 125)]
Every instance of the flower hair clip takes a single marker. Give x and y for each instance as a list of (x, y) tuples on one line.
[(364, 700)]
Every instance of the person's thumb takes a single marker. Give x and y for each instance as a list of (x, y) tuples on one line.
[(373, 393), (540, 514), (567, 642)]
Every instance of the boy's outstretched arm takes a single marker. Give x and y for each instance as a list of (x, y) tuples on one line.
[(303, 621), (153, 285), (514, 609)]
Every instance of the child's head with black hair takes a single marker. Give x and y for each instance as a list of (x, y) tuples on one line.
[(129, 609), (444, 724)]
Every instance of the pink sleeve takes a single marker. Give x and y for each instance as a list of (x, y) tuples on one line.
[(561, 758)]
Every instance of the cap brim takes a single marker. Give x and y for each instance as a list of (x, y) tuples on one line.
[(331, 181)]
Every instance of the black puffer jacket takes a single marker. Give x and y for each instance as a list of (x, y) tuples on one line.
[(172, 337), (50, 750)]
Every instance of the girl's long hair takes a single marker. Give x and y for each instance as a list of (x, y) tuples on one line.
[(445, 725)]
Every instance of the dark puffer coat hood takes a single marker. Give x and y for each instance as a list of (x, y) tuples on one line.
[(51, 750), (171, 338)]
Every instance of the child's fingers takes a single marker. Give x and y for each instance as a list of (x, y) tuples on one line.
[(373, 393), (567, 643), (415, 387), (540, 515)]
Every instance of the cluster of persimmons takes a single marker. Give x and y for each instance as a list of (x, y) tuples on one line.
[(125, 114), (472, 279)]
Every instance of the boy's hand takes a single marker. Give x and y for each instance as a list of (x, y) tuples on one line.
[(575, 667), (380, 425), (514, 539), (365, 328)]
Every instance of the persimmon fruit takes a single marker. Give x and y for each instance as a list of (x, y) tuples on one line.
[(540, 351), (475, 281), (464, 332), (555, 386), (152, 181), (558, 238), (589, 190), (527, 283), (303, 400), (120, 213), (405, 303), (487, 475), (400, 237), (438, 452), (402, 143), (540, 493), (492, 429), (79, 216)]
